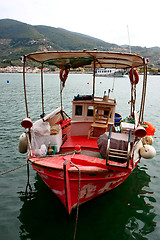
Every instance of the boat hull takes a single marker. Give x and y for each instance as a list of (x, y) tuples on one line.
[(76, 186)]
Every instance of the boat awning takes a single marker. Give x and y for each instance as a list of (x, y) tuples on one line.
[(74, 59)]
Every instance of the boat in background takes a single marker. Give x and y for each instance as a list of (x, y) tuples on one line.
[(104, 72), (94, 151)]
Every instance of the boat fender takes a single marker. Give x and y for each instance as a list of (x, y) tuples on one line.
[(27, 123), (133, 75), (147, 140), (150, 128), (147, 151), (77, 149), (23, 143), (63, 74), (140, 132)]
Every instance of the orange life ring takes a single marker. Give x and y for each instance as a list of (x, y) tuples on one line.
[(133, 75), (63, 74)]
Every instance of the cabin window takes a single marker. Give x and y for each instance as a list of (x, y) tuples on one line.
[(78, 110), (106, 113), (90, 111)]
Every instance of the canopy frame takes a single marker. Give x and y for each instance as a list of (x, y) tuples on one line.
[(94, 59)]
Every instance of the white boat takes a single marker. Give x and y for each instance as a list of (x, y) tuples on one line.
[(110, 72)]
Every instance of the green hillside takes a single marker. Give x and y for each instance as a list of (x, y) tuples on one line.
[(17, 39), (12, 29)]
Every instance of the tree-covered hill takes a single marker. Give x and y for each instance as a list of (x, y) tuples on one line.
[(17, 39)]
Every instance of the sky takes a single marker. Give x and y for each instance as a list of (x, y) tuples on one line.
[(114, 21)]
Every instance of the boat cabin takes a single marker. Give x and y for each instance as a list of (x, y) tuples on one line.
[(83, 113)]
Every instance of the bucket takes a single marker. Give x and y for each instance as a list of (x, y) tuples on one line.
[(117, 119)]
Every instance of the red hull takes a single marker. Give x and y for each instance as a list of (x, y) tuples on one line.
[(63, 178)]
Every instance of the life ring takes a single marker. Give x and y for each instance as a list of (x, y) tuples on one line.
[(63, 74), (133, 75)]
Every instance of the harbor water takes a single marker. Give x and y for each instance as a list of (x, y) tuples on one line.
[(129, 212)]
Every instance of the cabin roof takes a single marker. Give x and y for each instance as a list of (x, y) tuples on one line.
[(74, 59)]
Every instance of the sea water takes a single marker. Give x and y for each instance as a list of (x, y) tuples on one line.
[(129, 212)]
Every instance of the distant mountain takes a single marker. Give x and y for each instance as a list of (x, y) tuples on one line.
[(17, 39), (12, 29)]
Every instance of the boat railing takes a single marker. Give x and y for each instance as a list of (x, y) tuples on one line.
[(118, 155)]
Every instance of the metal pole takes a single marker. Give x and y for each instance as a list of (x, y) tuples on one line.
[(131, 100), (145, 85), (24, 84), (94, 75), (42, 89), (61, 90), (143, 93)]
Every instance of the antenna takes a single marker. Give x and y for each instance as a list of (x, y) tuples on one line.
[(129, 39)]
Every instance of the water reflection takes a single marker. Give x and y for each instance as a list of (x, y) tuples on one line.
[(124, 213)]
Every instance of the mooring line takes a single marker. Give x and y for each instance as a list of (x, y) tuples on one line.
[(11, 170)]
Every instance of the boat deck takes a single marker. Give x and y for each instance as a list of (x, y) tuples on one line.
[(82, 141)]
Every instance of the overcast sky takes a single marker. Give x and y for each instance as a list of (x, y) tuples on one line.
[(103, 19)]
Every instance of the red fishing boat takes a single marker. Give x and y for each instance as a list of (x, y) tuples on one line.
[(94, 151)]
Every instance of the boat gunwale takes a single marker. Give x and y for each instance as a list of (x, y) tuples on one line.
[(84, 169), (89, 171)]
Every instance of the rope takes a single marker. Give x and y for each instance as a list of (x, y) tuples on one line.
[(27, 193), (29, 186), (11, 170), (79, 184)]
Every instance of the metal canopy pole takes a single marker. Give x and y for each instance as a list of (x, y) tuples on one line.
[(131, 100), (143, 93), (61, 91), (42, 90), (24, 84), (94, 75)]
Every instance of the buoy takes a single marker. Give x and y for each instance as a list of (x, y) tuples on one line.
[(27, 123), (23, 143), (100, 82), (77, 148), (87, 82), (147, 140), (147, 151), (140, 132), (7, 81), (150, 129)]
